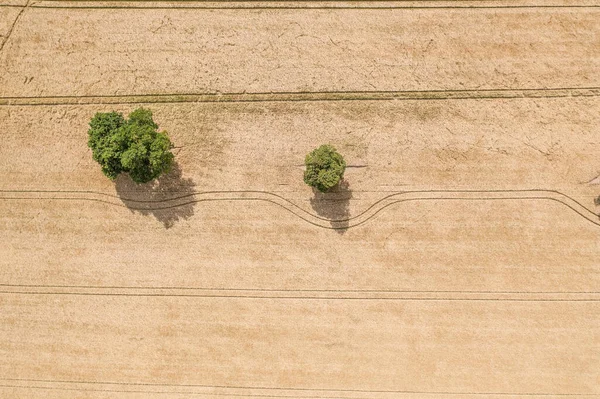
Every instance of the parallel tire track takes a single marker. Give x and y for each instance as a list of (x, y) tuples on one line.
[(567, 297), (262, 391)]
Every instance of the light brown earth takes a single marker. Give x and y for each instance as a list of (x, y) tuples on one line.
[(461, 259), (182, 51), (8, 16)]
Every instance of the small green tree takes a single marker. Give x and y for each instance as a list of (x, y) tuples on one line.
[(324, 168), (131, 146)]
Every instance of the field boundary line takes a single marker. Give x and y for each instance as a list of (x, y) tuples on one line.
[(287, 290), (332, 295), (323, 298), (509, 2), (406, 5), (292, 391), (473, 94)]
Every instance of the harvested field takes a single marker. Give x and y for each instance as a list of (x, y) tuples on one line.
[(8, 16), (458, 259), (328, 346), (152, 51)]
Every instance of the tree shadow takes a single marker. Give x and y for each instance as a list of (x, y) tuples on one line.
[(168, 198), (334, 205)]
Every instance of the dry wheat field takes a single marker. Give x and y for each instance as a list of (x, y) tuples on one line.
[(460, 258)]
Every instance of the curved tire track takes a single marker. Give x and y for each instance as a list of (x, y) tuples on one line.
[(300, 212)]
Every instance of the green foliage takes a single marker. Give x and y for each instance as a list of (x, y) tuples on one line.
[(131, 146), (105, 147), (324, 168)]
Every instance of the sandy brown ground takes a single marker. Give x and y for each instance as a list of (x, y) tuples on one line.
[(418, 346), (404, 146), (7, 18), (390, 145), (242, 297), (175, 51)]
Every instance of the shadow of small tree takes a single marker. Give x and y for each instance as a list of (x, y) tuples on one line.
[(168, 198), (334, 205)]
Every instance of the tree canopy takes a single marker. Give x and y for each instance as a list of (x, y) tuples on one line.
[(132, 146), (324, 168)]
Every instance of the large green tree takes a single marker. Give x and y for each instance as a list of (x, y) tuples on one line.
[(131, 146), (324, 168)]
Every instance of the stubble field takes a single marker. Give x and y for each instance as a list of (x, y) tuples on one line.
[(460, 257)]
